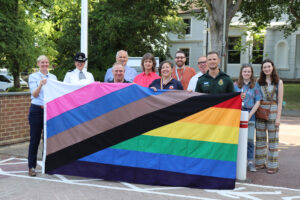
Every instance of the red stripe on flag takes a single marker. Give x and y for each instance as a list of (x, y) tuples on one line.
[(234, 103)]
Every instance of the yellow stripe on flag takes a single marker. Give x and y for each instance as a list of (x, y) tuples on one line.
[(196, 131)]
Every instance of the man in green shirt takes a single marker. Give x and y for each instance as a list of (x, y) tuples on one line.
[(214, 81)]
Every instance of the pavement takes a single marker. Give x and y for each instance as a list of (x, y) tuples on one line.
[(15, 184)]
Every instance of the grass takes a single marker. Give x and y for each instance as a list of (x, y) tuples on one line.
[(292, 96)]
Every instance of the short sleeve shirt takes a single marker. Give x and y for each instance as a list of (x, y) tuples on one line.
[(222, 83)]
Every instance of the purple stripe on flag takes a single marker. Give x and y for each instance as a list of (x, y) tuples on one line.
[(142, 176)]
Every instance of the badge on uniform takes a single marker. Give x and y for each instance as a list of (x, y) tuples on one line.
[(206, 84), (221, 82)]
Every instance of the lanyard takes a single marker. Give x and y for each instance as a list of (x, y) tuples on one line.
[(177, 76), (161, 83)]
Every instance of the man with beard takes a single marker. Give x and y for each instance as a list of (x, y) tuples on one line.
[(181, 72), (214, 81)]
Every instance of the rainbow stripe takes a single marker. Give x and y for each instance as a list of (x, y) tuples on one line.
[(125, 132)]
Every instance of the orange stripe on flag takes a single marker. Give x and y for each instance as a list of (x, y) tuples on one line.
[(216, 116)]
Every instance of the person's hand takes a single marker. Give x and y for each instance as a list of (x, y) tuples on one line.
[(154, 89), (43, 81), (243, 95), (190, 90)]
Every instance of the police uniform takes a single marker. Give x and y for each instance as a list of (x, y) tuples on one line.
[(79, 77), (222, 83), (73, 77)]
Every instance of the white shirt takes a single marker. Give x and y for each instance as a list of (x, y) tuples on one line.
[(33, 82), (193, 81), (73, 77)]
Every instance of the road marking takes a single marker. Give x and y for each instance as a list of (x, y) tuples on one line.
[(131, 186), (8, 159), (15, 163), (108, 187), (239, 192)]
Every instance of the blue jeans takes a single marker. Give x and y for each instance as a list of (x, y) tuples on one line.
[(36, 122), (250, 147)]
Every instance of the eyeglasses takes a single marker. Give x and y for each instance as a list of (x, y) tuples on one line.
[(204, 62), (179, 57)]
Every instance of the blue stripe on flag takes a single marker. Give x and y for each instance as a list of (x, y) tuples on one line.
[(97, 108), (165, 162)]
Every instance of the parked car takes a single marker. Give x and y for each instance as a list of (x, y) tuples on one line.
[(7, 81)]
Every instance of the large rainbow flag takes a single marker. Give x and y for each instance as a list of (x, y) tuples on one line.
[(125, 132)]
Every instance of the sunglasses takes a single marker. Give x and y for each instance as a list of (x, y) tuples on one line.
[(199, 63)]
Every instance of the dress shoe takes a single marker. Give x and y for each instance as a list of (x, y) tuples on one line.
[(31, 172)]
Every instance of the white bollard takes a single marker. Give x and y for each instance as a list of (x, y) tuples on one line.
[(241, 162)]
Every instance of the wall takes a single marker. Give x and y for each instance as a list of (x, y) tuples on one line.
[(14, 127)]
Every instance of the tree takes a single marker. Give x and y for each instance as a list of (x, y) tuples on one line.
[(257, 14), (17, 41), (133, 25)]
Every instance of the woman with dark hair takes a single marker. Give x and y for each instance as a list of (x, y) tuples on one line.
[(271, 88), (251, 97), (166, 81), (148, 75)]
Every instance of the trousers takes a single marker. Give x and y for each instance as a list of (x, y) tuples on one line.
[(36, 122)]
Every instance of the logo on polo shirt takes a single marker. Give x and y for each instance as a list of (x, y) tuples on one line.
[(206, 84), (221, 82)]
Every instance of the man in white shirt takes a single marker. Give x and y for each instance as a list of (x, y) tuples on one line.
[(80, 74), (202, 65), (122, 58)]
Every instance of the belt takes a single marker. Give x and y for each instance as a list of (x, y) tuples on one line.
[(42, 107)]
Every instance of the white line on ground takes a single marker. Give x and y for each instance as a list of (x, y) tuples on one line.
[(13, 163), (131, 186), (108, 187), (8, 159), (269, 187), (163, 188)]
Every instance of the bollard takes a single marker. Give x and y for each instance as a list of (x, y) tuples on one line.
[(241, 162)]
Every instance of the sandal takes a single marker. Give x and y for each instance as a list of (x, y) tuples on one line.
[(263, 166), (272, 171)]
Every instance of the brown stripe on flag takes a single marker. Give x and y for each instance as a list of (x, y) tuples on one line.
[(115, 118)]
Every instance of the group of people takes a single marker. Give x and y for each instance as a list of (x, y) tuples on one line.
[(267, 91)]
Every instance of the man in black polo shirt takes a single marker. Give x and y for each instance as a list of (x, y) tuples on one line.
[(214, 81)]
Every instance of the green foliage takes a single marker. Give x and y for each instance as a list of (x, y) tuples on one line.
[(17, 41), (15, 89), (292, 96), (135, 26), (259, 14)]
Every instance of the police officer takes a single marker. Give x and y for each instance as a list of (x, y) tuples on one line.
[(80, 74)]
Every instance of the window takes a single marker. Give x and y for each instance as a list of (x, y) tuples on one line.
[(234, 52), (188, 26), (4, 79), (258, 50), (187, 55)]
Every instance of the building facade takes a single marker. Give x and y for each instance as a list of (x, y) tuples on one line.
[(243, 47)]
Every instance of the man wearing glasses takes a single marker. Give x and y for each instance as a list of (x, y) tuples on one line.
[(202, 65), (181, 72)]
